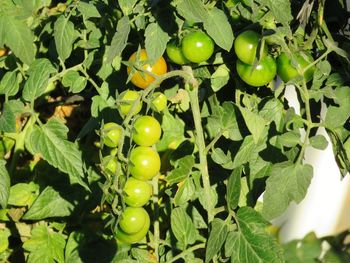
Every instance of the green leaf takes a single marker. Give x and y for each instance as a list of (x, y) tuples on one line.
[(155, 42), (72, 80), (7, 118), (127, 6), (234, 188), (255, 123), (183, 227), (182, 171), (119, 39), (272, 111), (47, 141), (289, 139), (192, 10), (4, 241), (4, 184), (9, 84), (208, 199), (64, 35), (23, 194), (88, 10), (225, 160), (280, 9), (49, 204), (223, 119), (45, 245), (220, 77), (251, 243), (249, 150), (336, 116), (288, 182), (319, 142), (19, 38), (218, 28), (39, 74), (185, 192), (216, 239)]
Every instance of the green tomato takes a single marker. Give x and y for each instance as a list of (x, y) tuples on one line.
[(147, 131), (134, 238), (262, 74), (111, 164), (197, 46), (246, 46), (111, 134), (127, 99), (175, 54), (144, 163), (133, 219), (287, 68), (137, 192), (159, 101)]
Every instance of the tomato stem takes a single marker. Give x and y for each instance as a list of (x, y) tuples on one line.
[(186, 252), (156, 231)]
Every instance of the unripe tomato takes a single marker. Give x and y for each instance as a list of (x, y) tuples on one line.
[(127, 99), (144, 163), (111, 134), (147, 131), (159, 102), (197, 46), (262, 74), (137, 192), (133, 219), (286, 67), (246, 45), (142, 79), (175, 54), (134, 238)]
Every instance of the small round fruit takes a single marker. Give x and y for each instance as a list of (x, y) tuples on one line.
[(127, 99), (143, 79), (175, 54), (147, 131), (3, 52), (137, 192), (262, 74), (110, 163), (133, 219), (144, 163), (111, 134), (197, 46), (134, 238), (159, 102), (246, 46), (286, 67)]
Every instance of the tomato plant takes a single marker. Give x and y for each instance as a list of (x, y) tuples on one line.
[(159, 131), (137, 192), (144, 163), (143, 79), (197, 46), (246, 46), (147, 131), (259, 75)]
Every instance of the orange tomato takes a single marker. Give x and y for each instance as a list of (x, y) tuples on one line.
[(3, 52), (142, 79)]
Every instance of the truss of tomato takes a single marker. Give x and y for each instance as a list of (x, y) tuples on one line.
[(174, 53), (136, 237), (246, 47), (197, 46), (137, 193), (257, 75), (142, 79), (144, 163), (146, 131), (287, 67)]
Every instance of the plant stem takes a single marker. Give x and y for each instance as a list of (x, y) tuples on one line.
[(199, 135), (156, 231), (186, 252)]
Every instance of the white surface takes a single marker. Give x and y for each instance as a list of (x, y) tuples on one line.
[(326, 207)]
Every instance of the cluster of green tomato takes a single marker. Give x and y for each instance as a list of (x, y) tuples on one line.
[(254, 65), (143, 164)]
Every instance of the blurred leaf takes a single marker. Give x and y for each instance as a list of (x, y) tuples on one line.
[(4, 184), (155, 42), (88, 10), (192, 10), (45, 245), (280, 9), (64, 35), (7, 118), (218, 28), (288, 182), (127, 6), (216, 239)]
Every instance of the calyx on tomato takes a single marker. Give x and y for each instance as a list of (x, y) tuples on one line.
[(142, 79), (111, 134)]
